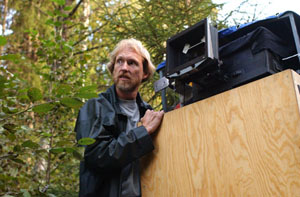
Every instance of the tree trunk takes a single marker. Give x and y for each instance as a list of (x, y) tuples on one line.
[(4, 21), (86, 20)]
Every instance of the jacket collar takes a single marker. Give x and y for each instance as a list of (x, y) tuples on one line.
[(111, 95)]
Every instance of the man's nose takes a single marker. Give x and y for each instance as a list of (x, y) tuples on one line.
[(125, 66)]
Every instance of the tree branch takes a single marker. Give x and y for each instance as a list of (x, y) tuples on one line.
[(84, 37), (153, 97), (74, 10), (89, 49), (25, 110), (40, 10), (8, 156), (48, 170)]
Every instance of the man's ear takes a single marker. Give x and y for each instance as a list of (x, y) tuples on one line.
[(145, 76)]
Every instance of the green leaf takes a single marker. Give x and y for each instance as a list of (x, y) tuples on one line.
[(62, 156), (77, 155), (64, 89), (10, 127), (25, 128), (67, 48), (13, 110), (50, 13), (57, 23), (86, 141), (57, 150), (34, 32), (71, 102), (49, 43), (19, 161), (11, 137), (63, 143), (49, 22), (30, 144), (69, 150), (25, 193), (17, 148), (87, 92), (22, 94), (10, 110), (11, 57), (2, 81), (51, 195), (44, 134), (86, 95), (39, 151), (46, 67), (59, 2), (3, 41), (90, 88), (68, 8), (34, 94), (43, 108), (65, 16)]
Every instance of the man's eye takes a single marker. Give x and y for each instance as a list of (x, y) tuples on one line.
[(119, 61), (133, 63)]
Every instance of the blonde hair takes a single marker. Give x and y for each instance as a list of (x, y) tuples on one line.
[(136, 45)]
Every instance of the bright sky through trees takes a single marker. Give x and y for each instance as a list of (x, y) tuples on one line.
[(263, 9)]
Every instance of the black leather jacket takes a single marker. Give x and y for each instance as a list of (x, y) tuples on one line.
[(101, 118)]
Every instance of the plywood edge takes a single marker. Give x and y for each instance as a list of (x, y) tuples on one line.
[(296, 80)]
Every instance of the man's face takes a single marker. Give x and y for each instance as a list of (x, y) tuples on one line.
[(128, 70)]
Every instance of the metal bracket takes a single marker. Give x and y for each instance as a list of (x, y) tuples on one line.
[(161, 84)]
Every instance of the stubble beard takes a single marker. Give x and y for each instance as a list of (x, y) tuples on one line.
[(126, 87)]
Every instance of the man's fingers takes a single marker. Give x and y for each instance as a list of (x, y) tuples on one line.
[(152, 120)]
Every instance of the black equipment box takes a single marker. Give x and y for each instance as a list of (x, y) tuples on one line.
[(248, 58), (192, 50), (285, 26), (217, 62)]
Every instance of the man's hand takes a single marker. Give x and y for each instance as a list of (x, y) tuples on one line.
[(152, 120)]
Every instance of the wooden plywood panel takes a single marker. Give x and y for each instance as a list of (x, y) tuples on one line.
[(244, 142)]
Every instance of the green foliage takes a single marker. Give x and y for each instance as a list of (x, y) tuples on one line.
[(43, 108), (15, 58), (86, 141), (3, 41), (71, 102), (37, 113), (59, 2), (87, 92), (34, 94)]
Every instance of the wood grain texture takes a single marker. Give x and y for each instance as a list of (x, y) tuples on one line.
[(243, 142)]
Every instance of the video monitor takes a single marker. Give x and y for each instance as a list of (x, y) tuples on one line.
[(191, 50)]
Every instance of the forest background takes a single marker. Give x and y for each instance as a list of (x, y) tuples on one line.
[(53, 57)]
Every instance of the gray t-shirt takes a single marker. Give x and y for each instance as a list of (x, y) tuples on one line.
[(130, 108)]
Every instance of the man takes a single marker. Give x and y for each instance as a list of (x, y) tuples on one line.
[(111, 164)]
